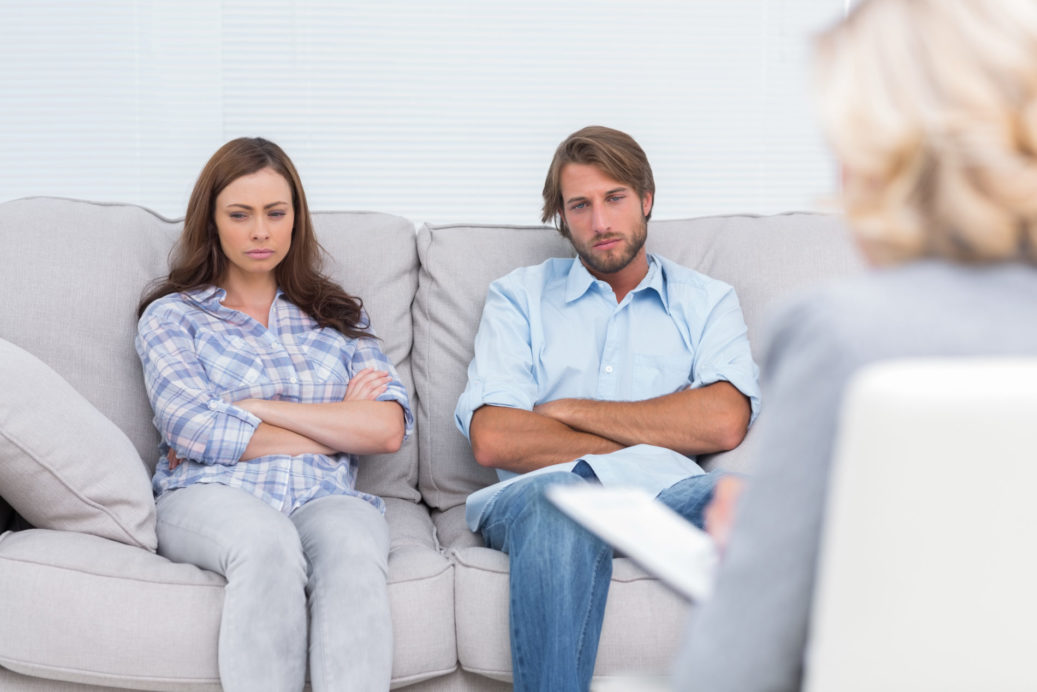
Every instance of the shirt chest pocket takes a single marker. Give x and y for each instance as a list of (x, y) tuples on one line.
[(230, 363), (656, 375), (318, 356)]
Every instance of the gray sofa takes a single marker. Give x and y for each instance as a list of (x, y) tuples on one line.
[(83, 609)]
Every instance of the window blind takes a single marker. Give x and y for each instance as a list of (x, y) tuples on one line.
[(442, 112)]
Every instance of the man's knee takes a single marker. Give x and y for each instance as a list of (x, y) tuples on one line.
[(525, 516)]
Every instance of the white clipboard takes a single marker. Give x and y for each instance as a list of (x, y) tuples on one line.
[(651, 534)]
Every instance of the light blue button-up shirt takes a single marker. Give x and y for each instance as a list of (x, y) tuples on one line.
[(554, 331)]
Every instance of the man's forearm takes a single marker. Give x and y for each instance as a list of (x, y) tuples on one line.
[(695, 421), (519, 440)]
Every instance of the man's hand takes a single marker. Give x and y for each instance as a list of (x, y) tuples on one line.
[(559, 409), (720, 513)]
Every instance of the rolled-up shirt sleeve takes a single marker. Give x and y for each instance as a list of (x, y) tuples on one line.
[(369, 355), (501, 371), (189, 415), (723, 353)]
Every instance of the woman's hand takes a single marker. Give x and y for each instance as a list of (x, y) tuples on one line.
[(173, 459), (367, 385), (720, 512)]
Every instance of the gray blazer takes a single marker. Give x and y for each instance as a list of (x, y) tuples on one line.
[(752, 633)]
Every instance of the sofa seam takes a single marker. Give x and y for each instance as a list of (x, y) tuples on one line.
[(95, 203), (7, 662), (433, 287), (792, 212), (80, 570)]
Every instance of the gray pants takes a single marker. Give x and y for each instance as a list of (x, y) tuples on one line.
[(327, 559)]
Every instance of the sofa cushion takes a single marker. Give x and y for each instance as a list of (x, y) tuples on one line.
[(71, 275), (374, 256), (643, 626), (63, 465), (421, 593), (457, 265), (84, 609), (763, 257)]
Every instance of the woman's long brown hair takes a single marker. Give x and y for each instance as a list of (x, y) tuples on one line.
[(198, 259)]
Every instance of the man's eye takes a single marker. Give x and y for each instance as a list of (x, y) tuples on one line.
[(614, 198), (578, 205)]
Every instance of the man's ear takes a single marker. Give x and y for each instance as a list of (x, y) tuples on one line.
[(563, 225), (646, 204)]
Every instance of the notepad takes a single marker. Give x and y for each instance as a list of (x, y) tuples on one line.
[(651, 534)]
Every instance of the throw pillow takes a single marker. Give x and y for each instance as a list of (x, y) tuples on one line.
[(63, 464)]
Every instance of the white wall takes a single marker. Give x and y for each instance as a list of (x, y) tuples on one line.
[(439, 111)]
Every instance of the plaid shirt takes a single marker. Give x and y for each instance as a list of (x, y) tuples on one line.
[(200, 357)]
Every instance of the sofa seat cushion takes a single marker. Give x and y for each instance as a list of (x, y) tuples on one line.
[(421, 594), (63, 464), (84, 609), (644, 620)]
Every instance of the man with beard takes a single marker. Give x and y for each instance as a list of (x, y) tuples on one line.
[(617, 367)]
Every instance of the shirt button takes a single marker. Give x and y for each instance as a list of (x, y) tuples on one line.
[(294, 380), (212, 405), (608, 369)]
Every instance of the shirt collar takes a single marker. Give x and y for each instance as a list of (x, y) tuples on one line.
[(579, 281), (211, 297), (207, 296)]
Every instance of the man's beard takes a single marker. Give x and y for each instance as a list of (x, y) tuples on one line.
[(611, 263)]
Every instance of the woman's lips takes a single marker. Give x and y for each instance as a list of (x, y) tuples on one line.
[(259, 254)]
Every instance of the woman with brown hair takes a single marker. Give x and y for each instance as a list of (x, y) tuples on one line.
[(266, 383)]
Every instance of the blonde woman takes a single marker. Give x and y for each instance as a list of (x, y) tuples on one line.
[(931, 109)]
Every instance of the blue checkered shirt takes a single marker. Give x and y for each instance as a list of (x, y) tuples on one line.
[(200, 357)]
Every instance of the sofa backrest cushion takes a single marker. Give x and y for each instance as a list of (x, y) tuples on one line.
[(72, 275), (374, 256), (72, 272), (763, 257)]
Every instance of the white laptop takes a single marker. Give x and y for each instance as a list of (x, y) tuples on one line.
[(651, 534)]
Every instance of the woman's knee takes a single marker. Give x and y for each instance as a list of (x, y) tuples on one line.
[(344, 529)]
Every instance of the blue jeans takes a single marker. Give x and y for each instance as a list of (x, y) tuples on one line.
[(310, 586), (560, 576)]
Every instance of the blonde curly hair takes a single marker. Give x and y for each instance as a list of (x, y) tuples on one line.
[(931, 108)]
